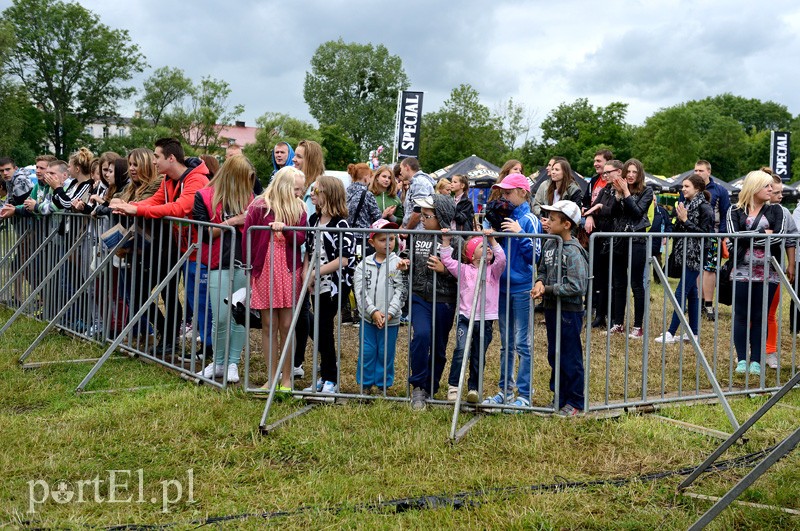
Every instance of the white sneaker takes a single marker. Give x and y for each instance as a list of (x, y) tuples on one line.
[(315, 388), (213, 370), (452, 393), (685, 337), (329, 388), (772, 360), (298, 372), (667, 338), (233, 373)]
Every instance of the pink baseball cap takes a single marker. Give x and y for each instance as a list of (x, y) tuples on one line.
[(473, 244), (515, 180), (382, 224)]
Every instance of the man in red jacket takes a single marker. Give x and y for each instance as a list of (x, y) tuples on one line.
[(175, 198)]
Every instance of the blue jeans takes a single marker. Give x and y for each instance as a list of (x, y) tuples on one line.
[(475, 352), (687, 295), (197, 274), (570, 375), (515, 342), (371, 362), (742, 290), (426, 352), (223, 325)]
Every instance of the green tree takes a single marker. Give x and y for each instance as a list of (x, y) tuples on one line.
[(577, 130), (515, 122), (355, 86), (340, 149), (462, 127), (669, 141), (199, 123), (273, 128), (72, 66), (165, 88)]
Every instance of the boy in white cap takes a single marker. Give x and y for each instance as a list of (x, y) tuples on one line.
[(567, 283)]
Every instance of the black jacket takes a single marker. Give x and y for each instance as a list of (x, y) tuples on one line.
[(737, 219), (465, 214)]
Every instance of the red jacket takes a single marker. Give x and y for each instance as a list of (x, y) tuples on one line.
[(176, 199)]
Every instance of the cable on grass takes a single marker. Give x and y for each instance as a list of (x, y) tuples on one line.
[(458, 500)]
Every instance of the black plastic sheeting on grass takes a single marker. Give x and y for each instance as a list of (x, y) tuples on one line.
[(452, 501)]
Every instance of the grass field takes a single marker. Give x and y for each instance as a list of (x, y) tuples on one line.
[(347, 465)]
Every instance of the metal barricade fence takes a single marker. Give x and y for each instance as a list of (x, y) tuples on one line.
[(62, 271)]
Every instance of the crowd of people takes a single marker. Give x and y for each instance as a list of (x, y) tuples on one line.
[(409, 260)]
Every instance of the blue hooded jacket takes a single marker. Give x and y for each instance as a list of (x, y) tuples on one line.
[(521, 253), (289, 161)]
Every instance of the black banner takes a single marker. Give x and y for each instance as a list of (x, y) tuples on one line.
[(408, 130), (779, 158)]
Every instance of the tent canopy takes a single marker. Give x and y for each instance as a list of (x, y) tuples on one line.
[(677, 181), (475, 168)]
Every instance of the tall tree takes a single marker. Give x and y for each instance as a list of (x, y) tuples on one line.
[(164, 88), (355, 86), (340, 149), (577, 130), (277, 127), (71, 64), (462, 127), (208, 109)]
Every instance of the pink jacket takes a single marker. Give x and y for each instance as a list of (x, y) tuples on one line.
[(260, 239), (467, 275)]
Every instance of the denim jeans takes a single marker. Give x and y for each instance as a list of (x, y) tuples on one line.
[(475, 352), (515, 342), (376, 355), (687, 295), (196, 274), (742, 290), (428, 352), (570, 375), (223, 325)]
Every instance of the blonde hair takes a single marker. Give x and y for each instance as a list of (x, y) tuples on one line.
[(335, 196), (753, 182), (279, 197), (313, 160), (145, 173), (441, 187), (233, 185), (391, 190), (82, 159)]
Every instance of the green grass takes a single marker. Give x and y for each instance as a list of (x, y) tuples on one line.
[(321, 468)]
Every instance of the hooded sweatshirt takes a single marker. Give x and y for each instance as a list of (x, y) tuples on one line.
[(289, 158), (521, 252), (425, 245), (19, 188), (571, 287)]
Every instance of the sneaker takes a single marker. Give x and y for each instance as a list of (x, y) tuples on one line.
[(616, 329), (568, 411), (599, 322), (452, 393), (233, 373), (772, 360), (329, 388), (315, 388), (213, 370), (636, 333), (521, 401), (499, 399), (708, 311), (741, 367), (472, 396), (298, 372), (418, 398), (185, 330), (755, 368), (686, 339), (666, 338)]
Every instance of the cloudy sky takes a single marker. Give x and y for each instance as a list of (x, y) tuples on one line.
[(649, 54)]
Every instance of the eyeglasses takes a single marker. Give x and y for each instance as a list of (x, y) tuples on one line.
[(316, 191), (427, 216), (609, 172)]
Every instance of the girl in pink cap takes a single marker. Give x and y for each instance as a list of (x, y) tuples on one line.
[(469, 278)]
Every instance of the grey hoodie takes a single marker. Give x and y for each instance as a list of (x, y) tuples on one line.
[(571, 287)]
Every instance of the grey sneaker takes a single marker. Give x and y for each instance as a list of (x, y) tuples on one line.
[(418, 398), (568, 411), (499, 399)]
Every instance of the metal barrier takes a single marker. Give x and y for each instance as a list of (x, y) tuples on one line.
[(59, 269)]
